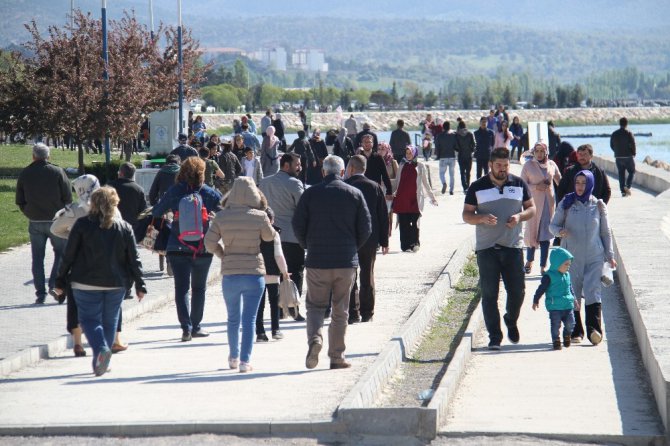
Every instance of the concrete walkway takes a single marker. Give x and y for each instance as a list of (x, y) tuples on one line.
[(164, 382), (161, 385), (585, 392)]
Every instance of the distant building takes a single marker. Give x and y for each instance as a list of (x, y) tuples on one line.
[(275, 57), (309, 60)]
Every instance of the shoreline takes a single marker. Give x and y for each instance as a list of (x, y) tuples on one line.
[(386, 120)]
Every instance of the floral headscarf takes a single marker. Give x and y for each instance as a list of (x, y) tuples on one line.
[(388, 158)]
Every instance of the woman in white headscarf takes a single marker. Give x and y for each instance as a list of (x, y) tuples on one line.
[(83, 186), (269, 153)]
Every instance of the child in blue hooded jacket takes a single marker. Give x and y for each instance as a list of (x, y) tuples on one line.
[(560, 299)]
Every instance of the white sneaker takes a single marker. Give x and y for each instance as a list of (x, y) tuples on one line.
[(245, 367), (233, 362), (595, 337)]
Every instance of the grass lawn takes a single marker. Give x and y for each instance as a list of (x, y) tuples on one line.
[(20, 155), (13, 224)]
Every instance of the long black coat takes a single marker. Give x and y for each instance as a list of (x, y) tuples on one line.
[(376, 202)]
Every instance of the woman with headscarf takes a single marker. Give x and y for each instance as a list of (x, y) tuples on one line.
[(314, 175), (278, 124), (344, 147), (100, 263), (410, 189), (269, 153), (581, 222), (392, 170), (241, 226), (539, 173)]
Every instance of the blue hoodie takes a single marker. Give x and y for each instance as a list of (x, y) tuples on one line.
[(560, 295)]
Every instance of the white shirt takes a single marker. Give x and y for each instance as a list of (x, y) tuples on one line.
[(249, 167)]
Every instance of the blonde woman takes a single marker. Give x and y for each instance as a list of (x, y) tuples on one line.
[(101, 262)]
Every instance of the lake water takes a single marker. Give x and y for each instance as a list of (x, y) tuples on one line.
[(657, 146)]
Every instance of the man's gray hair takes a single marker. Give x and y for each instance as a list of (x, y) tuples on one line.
[(333, 164), (127, 170), (41, 151)]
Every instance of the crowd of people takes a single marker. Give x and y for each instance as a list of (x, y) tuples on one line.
[(319, 211)]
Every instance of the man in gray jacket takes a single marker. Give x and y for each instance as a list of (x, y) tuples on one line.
[(42, 190), (283, 191)]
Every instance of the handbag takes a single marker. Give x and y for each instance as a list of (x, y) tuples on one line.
[(607, 275), (157, 235), (288, 296)]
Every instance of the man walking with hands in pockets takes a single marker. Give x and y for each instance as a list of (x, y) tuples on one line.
[(497, 203)]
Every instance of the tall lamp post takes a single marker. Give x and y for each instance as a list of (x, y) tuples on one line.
[(181, 74), (105, 74), (151, 18)]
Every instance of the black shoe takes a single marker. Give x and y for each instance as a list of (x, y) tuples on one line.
[(451, 192), (299, 318), (262, 338), (366, 319), (200, 333), (354, 320), (444, 188), (40, 300), (566, 341), (513, 334), (186, 336), (494, 345), (557, 344)]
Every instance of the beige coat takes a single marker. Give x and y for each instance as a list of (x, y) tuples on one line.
[(240, 226), (535, 176), (422, 185)]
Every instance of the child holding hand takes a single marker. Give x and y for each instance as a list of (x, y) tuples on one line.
[(560, 299)]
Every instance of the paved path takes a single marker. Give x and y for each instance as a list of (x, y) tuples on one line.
[(160, 379), (581, 392), (163, 381)]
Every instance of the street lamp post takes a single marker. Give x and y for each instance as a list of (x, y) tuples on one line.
[(151, 18), (181, 75), (105, 74)]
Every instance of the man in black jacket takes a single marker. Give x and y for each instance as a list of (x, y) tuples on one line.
[(332, 222), (601, 187), (131, 199), (622, 143), (484, 138), (362, 302), (42, 190), (164, 178), (399, 141)]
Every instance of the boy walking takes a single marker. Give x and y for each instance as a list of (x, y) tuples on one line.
[(560, 300)]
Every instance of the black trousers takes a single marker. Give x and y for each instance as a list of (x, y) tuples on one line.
[(409, 230), (465, 166), (272, 291), (295, 261), (362, 299), (593, 317), (482, 167)]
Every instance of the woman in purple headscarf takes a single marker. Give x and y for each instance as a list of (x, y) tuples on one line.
[(410, 187), (581, 222)]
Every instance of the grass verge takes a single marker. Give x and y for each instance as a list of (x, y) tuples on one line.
[(430, 360), (13, 224)]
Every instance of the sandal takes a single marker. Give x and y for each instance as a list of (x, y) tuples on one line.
[(116, 348), (528, 267), (79, 351)]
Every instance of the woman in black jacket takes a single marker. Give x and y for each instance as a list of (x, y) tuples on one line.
[(100, 262)]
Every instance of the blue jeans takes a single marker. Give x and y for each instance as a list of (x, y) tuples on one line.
[(623, 165), (544, 253), (558, 316), (444, 164), (494, 263), (189, 272), (242, 294), (39, 232), (98, 316)]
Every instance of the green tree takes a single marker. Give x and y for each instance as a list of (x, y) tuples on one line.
[(361, 95), (508, 96), (240, 74), (430, 99), (381, 97), (270, 95), (538, 98), (394, 93), (576, 95), (468, 98), (562, 96)]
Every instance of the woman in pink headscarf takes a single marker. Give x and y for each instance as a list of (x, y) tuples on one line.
[(269, 153), (539, 172), (410, 188)]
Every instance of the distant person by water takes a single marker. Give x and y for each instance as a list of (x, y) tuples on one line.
[(622, 143)]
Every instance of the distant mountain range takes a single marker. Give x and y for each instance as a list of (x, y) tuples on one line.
[(565, 39)]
